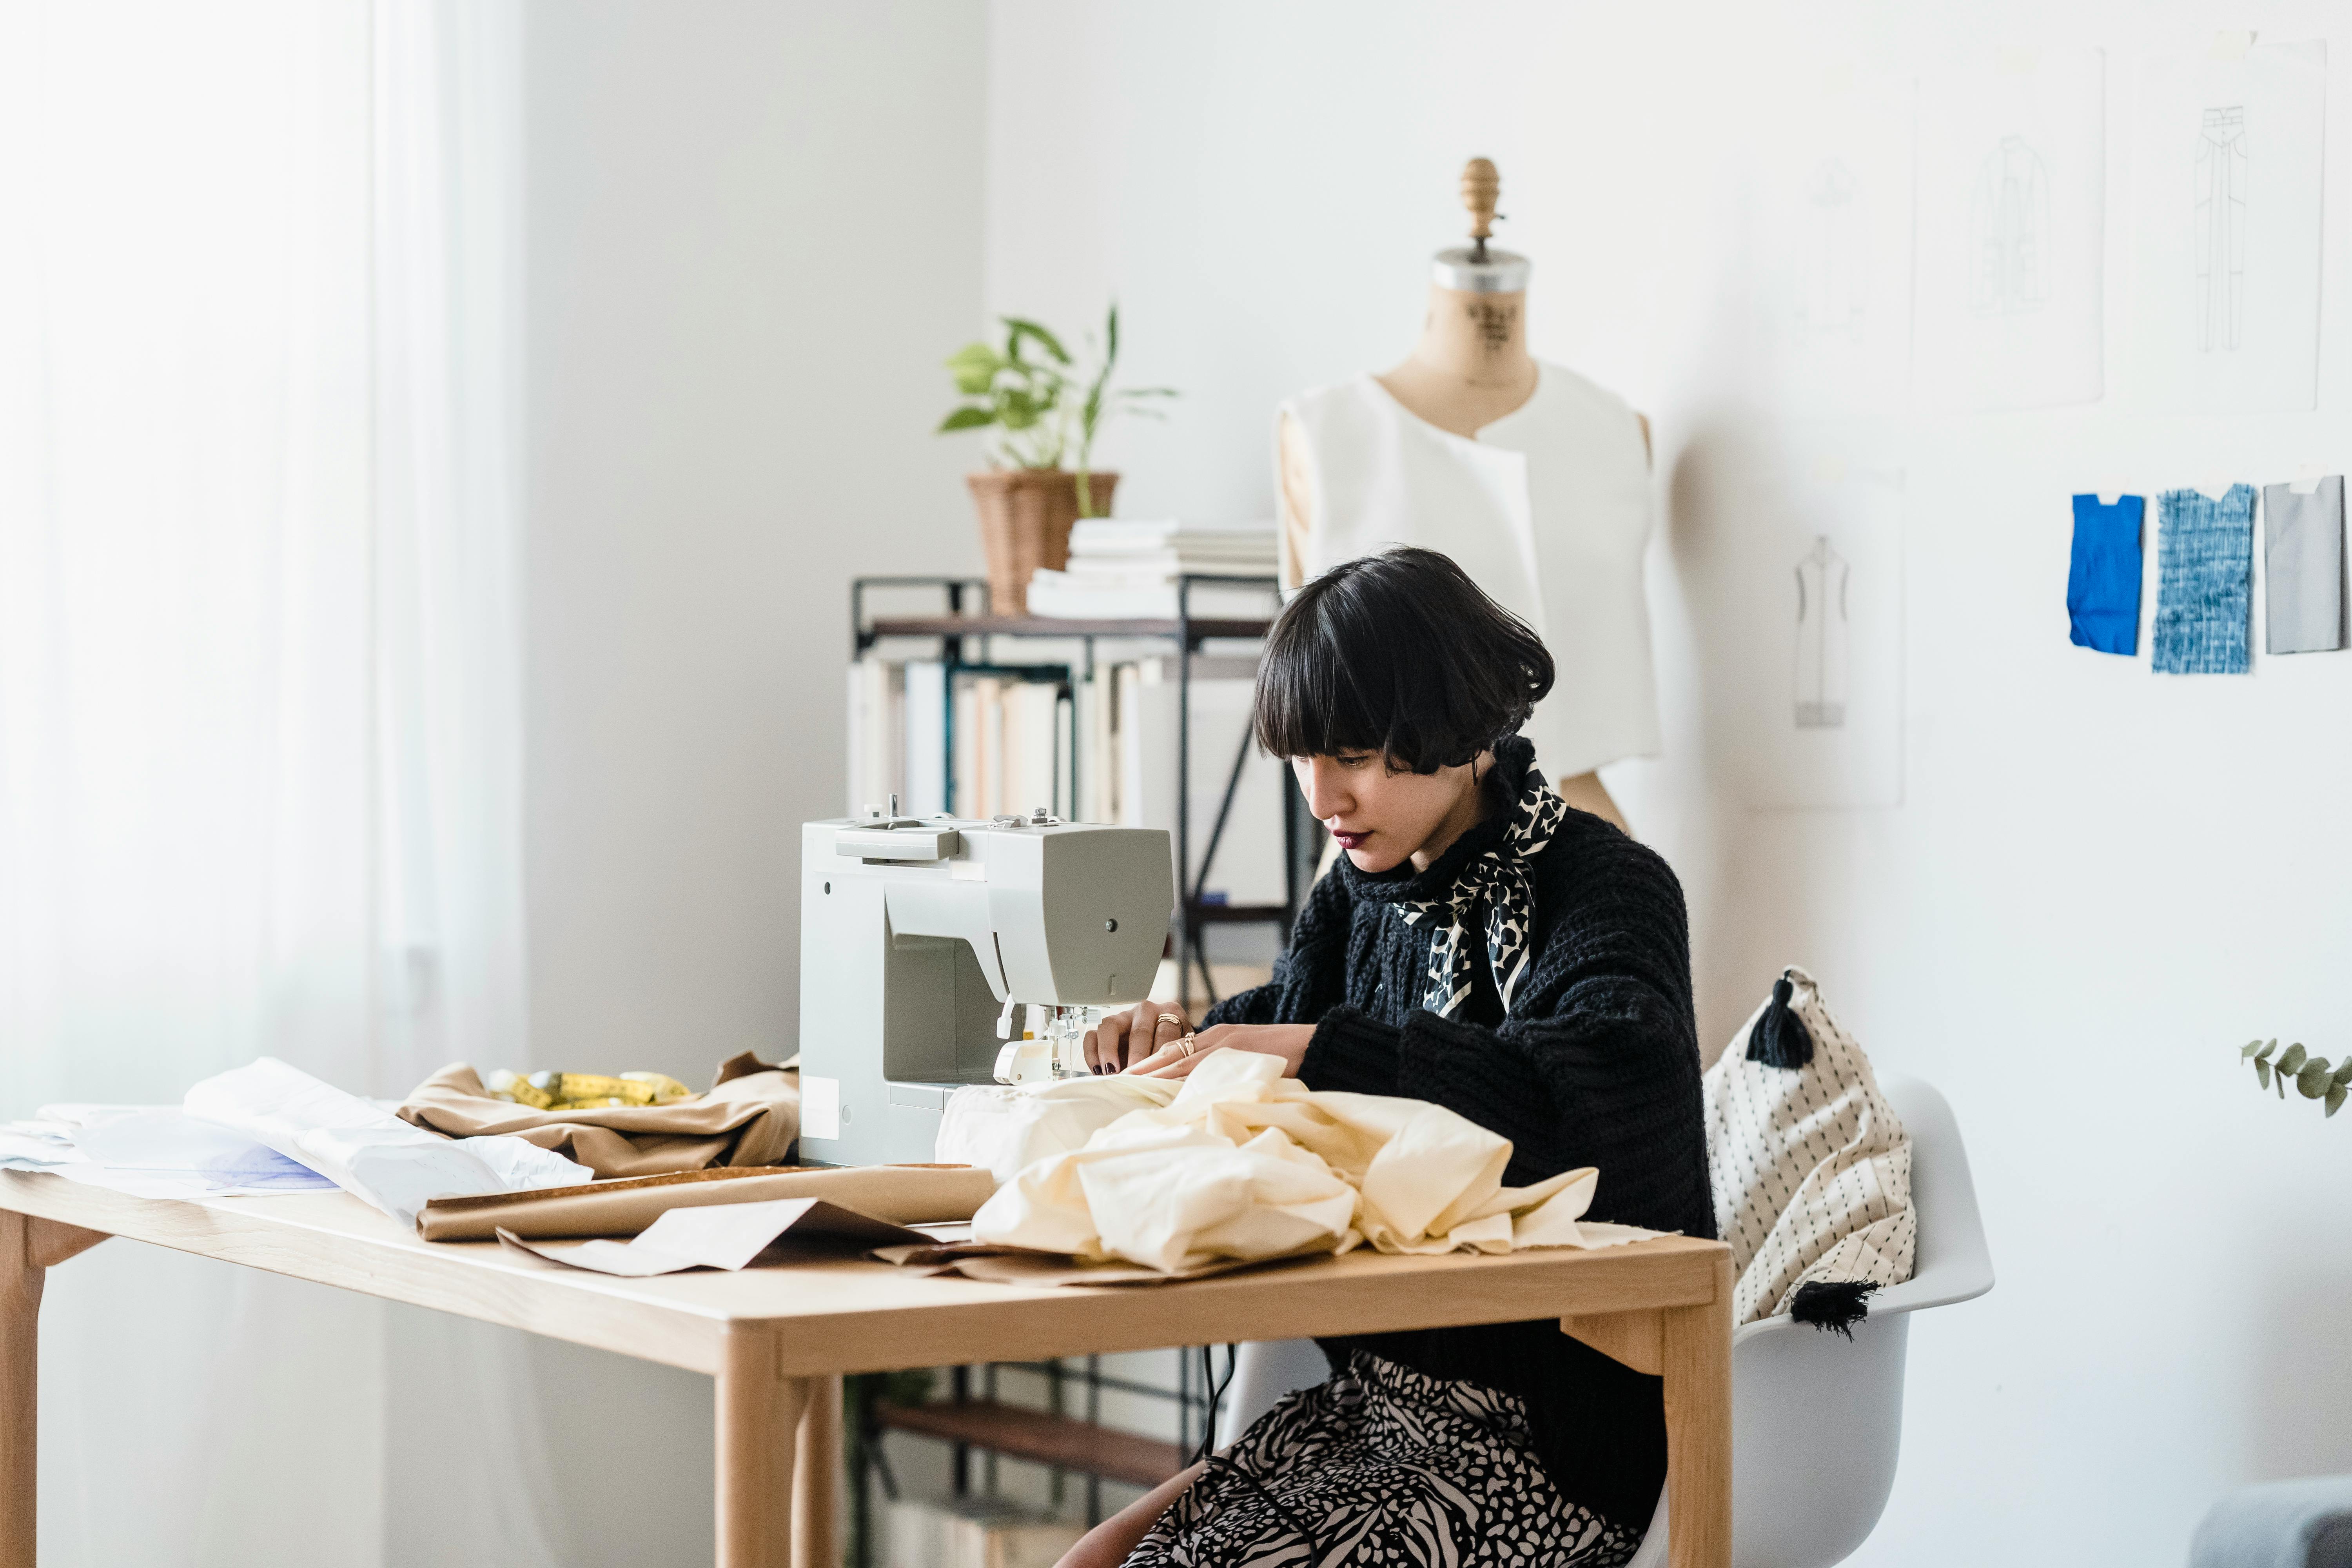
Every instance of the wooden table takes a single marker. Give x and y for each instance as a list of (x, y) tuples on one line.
[(777, 1339)]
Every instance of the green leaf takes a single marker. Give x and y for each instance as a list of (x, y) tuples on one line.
[(1149, 392), (966, 418), (974, 366), (2262, 1072), (2336, 1098), (2342, 1073), (1017, 329), (2251, 1047), (2292, 1062), (2264, 1054), (2312, 1081)]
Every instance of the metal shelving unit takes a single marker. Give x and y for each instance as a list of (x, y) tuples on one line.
[(963, 632)]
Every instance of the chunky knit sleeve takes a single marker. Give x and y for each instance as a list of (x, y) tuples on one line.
[(1596, 1065), (1309, 976)]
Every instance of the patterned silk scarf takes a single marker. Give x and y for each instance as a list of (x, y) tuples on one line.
[(1499, 876)]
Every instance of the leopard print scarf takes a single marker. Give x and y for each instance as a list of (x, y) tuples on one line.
[(1499, 877)]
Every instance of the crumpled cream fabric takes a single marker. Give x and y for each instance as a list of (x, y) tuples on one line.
[(1008, 1129), (1239, 1162)]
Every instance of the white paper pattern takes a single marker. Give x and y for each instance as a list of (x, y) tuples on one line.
[(2012, 208), (1833, 181), (1810, 611), (2227, 153)]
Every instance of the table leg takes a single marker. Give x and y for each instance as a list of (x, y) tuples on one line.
[(1695, 1353), (20, 1318), (816, 1471), (759, 1414)]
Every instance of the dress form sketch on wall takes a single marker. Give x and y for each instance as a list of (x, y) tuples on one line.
[(1835, 289), (1825, 647), (2221, 245), (2010, 230), (1535, 481)]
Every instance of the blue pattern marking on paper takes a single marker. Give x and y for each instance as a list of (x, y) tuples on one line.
[(2204, 595)]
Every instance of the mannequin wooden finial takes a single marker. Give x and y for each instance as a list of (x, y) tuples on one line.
[(1481, 187)]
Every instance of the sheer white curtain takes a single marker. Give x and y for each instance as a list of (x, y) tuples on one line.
[(260, 738)]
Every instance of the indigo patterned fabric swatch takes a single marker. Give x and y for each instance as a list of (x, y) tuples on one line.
[(2102, 585), (2204, 593)]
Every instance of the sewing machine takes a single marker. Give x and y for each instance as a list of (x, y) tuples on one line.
[(920, 940)]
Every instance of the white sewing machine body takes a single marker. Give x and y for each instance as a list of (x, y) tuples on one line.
[(916, 934)]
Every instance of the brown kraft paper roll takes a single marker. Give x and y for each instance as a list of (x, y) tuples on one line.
[(902, 1195)]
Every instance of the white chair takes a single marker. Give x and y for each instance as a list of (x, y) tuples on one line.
[(1816, 1420)]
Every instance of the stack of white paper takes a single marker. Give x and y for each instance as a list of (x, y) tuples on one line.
[(368, 1153), (150, 1152)]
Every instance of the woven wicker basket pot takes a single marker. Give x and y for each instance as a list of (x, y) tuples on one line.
[(1025, 516)]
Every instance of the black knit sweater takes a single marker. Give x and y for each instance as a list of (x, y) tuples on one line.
[(1595, 1063)]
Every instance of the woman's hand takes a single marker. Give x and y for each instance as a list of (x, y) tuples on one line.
[(1179, 1056), (1122, 1039)]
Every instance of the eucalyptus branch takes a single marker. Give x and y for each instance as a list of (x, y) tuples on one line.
[(2313, 1077)]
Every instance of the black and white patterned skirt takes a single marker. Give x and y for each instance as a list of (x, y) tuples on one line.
[(1382, 1464)]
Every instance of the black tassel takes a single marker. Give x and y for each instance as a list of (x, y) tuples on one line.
[(1778, 1039), (1836, 1305)]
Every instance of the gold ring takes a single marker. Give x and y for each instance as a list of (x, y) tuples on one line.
[(1171, 1017), (1189, 1044)]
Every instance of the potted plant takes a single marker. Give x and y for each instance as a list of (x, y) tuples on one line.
[(1046, 414)]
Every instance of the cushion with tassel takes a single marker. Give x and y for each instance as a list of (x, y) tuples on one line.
[(1811, 1166)]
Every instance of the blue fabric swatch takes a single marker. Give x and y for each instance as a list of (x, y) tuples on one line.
[(2205, 582), (2102, 585)]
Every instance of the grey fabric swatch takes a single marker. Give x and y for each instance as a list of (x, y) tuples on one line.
[(2303, 561)]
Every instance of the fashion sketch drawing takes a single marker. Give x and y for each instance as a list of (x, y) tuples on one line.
[(1822, 643), (2221, 203), (1835, 289), (2008, 232)]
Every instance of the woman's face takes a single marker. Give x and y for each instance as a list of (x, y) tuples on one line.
[(1380, 817)]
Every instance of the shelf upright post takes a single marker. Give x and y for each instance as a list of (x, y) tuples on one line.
[(1188, 921)]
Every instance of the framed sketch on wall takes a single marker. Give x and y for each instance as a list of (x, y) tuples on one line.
[(2226, 209), (2012, 178), (1810, 611), (1833, 181)]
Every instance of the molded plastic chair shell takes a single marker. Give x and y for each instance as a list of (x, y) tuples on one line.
[(1817, 1421)]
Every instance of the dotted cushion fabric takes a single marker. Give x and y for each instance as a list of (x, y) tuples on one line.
[(1811, 1166)]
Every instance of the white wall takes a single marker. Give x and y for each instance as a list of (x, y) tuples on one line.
[(754, 233), (2100, 881)]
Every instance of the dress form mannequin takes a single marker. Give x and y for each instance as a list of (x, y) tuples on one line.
[(1470, 368)]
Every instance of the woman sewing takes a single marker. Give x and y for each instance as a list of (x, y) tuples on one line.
[(1481, 945)]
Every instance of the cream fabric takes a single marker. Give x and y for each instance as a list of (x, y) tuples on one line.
[(1241, 1163), (1811, 1166), (1009, 1129)]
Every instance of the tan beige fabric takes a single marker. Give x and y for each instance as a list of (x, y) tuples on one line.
[(750, 1116), (900, 1194)]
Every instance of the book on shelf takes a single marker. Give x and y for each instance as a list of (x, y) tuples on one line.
[(1126, 569), (1103, 751)]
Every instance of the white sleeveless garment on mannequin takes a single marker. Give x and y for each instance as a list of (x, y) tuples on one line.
[(1548, 510)]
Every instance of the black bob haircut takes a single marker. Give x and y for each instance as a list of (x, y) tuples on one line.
[(1398, 652)]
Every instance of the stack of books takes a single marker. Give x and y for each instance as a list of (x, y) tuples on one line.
[(1121, 569), (1102, 749)]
